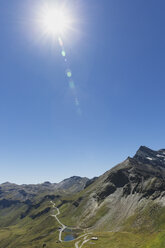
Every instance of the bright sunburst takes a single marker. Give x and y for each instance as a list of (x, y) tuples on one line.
[(55, 20)]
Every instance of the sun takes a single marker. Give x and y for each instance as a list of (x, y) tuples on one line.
[(55, 20)]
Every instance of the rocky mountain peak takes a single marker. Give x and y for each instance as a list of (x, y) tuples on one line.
[(46, 183), (149, 156), (75, 183)]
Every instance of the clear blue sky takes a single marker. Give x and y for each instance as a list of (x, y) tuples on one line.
[(117, 56)]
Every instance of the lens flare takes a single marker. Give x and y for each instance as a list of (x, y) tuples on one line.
[(63, 53), (71, 84), (55, 20), (60, 42), (69, 73)]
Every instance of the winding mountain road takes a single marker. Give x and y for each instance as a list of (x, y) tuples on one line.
[(84, 236), (62, 225)]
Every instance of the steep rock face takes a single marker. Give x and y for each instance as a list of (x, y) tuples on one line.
[(129, 185), (146, 155), (143, 174)]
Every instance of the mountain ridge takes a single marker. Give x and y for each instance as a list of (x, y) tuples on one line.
[(129, 197)]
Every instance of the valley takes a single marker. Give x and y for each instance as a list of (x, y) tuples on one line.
[(81, 239)]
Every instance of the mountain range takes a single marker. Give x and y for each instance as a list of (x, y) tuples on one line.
[(124, 207)]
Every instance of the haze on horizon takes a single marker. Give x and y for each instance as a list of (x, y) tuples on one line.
[(116, 53)]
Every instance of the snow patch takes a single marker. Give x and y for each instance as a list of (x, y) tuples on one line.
[(149, 158), (160, 156)]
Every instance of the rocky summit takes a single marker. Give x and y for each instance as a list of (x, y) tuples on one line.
[(146, 155)]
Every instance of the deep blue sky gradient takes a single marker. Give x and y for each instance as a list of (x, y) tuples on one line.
[(117, 56)]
